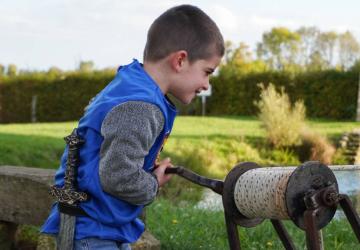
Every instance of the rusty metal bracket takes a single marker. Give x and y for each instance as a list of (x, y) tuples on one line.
[(318, 201)]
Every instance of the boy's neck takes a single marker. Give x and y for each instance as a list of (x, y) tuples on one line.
[(159, 73)]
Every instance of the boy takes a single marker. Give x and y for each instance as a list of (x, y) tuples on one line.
[(126, 124)]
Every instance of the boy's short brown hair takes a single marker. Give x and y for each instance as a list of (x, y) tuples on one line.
[(183, 27)]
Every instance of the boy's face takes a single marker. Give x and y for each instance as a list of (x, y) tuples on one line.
[(193, 78)]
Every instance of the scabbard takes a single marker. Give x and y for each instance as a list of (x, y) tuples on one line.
[(65, 239)]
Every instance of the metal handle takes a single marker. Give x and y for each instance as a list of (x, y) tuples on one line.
[(215, 185)]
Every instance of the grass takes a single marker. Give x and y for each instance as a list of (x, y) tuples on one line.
[(30, 150), (216, 142), (188, 127), (208, 145), (185, 227), (33, 145)]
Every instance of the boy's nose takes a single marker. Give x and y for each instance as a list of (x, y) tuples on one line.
[(206, 86)]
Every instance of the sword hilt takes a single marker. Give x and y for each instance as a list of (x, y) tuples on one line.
[(68, 196), (74, 141), (68, 193)]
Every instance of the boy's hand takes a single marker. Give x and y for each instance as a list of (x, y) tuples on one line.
[(159, 171)]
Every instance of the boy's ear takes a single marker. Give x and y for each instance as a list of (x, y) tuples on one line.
[(178, 59)]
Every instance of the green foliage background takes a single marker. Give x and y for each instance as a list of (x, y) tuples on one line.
[(58, 99), (327, 94)]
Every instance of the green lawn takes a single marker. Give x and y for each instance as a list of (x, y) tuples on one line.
[(185, 227), (188, 127), (208, 145), (213, 143)]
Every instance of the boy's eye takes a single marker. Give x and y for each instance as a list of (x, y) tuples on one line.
[(208, 71)]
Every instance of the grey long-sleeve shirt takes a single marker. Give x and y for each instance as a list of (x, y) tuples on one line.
[(129, 130)]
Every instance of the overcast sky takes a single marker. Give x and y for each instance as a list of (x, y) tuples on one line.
[(38, 34)]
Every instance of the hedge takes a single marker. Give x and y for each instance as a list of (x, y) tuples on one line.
[(60, 99), (326, 94)]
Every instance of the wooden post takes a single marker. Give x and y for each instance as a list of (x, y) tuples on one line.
[(358, 102), (203, 105), (33, 108)]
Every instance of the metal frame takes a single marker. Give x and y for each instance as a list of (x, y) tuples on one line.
[(316, 201)]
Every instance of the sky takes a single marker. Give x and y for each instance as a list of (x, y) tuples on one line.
[(36, 34)]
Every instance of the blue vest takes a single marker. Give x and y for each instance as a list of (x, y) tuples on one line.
[(110, 217)]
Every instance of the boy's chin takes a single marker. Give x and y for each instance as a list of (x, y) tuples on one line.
[(186, 101)]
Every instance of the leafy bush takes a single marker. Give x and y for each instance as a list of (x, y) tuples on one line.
[(213, 158), (340, 158), (316, 147), (284, 157), (282, 121)]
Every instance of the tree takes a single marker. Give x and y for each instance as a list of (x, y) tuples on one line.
[(356, 66), (317, 62), (12, 70), (279, 47), (54, 71), (308, 37), (2, 70), (240, 60), (349, 50), (242, 54), (86, 66), (229, 48), (325, 45)]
